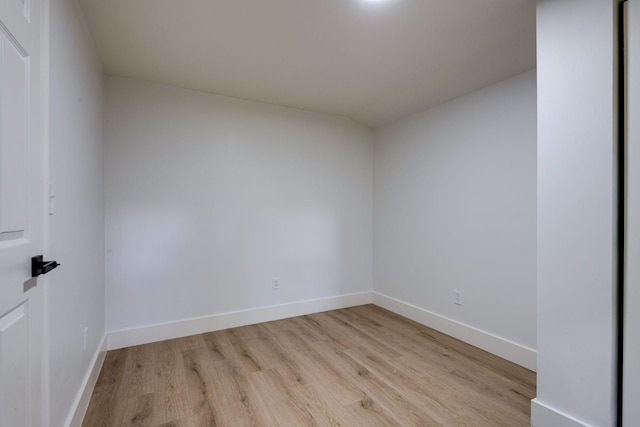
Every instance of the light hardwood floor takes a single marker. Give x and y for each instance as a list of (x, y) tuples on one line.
[(361, 366)]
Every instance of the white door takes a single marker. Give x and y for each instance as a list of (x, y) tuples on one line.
[(21, 213)]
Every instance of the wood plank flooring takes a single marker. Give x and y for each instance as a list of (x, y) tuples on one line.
[(361, 366)]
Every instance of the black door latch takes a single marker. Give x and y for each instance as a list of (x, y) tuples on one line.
[(38, 266)]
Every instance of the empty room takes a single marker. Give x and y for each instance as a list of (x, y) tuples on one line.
[(319, 212)]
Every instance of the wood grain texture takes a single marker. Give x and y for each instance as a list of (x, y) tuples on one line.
[(361, 366)]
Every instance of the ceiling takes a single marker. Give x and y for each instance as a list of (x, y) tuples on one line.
[(372, 61)]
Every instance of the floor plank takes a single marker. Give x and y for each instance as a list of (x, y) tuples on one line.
[(361, 366)]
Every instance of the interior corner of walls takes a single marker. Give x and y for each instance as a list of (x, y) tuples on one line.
[(181, 328), (513, 352), (543, 415)]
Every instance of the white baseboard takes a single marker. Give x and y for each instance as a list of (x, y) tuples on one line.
[(152, 333), (501, 347), (546, 416), (83, 398)]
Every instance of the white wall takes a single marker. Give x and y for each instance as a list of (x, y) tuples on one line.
[(208, 198), (76, 231), (576, 216), (454, 209)]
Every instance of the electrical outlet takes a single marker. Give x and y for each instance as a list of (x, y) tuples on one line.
[(457, 299), (275, 284), (85, 338)]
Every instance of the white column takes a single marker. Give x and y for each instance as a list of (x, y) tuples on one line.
[(576, 213)]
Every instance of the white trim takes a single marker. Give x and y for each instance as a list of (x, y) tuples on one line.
[(545, 416), (631, 339), (501, 347), (81, 402), (181, 328)]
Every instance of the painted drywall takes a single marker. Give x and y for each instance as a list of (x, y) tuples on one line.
[(631, 382), (76, 230), (454, 209), (209, 198), (576, 214)]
